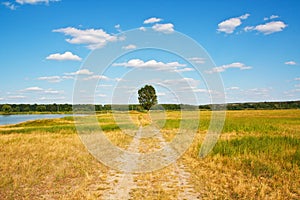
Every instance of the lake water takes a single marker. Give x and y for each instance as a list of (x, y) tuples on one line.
[(14, 119)]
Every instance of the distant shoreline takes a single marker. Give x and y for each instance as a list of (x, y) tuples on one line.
[(15, 109)]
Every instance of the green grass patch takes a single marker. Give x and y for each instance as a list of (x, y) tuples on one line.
[(262, 156), (272, 146)]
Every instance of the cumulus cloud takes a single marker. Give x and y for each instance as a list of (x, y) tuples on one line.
[(142, 28), (297, 79), (93, 38), (152, 20), (65, 56), (290, 63), (96, 77), (271, 17), (223, 68), (164, 28), (128, 47), (268, 28), (151, 64), (12, 6), (9, 5), (228, 26), (80, 72), (33, 89)]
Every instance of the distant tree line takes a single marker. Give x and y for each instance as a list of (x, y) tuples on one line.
[(25, 108), (264, 105)]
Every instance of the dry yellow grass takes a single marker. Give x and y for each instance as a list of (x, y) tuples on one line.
[(38, 162)]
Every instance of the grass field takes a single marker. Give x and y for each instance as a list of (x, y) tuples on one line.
[(256, 157)]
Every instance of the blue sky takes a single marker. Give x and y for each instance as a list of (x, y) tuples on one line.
[(45, 45)]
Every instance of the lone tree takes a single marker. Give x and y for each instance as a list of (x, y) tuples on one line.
[(147, 97)]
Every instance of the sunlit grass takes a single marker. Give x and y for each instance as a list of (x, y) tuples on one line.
[(256, 157), (262, 156)]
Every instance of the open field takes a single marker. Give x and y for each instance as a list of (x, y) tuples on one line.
[(256, 157)]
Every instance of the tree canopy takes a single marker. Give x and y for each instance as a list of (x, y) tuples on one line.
[(6, 108), (147, 97)]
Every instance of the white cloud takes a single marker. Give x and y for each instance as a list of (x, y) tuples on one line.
[(152, 20), (297, 79), (142, 28), (249, 28), (118, 27), (51, 79), (1, 99), (222, 68), (197, 60), (96, 77), (9, 5), (93, 38), (51, 91), (245, 16), (274, 16), (81, 72), (228, 26), (290, 63), (128, 47), (54, 79), (164, 28), (297, 86), (33, 89), (152, 64), (268, 28), (67, 77), (35, 1), (51, 98), (184, 70), (41, 90), (12, 6), (271, 17), (65, 56)]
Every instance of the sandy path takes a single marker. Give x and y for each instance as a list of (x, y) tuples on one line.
[(120, 185)]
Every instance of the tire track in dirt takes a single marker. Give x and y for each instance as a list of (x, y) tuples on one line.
[(181, 179), (121, 185)]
